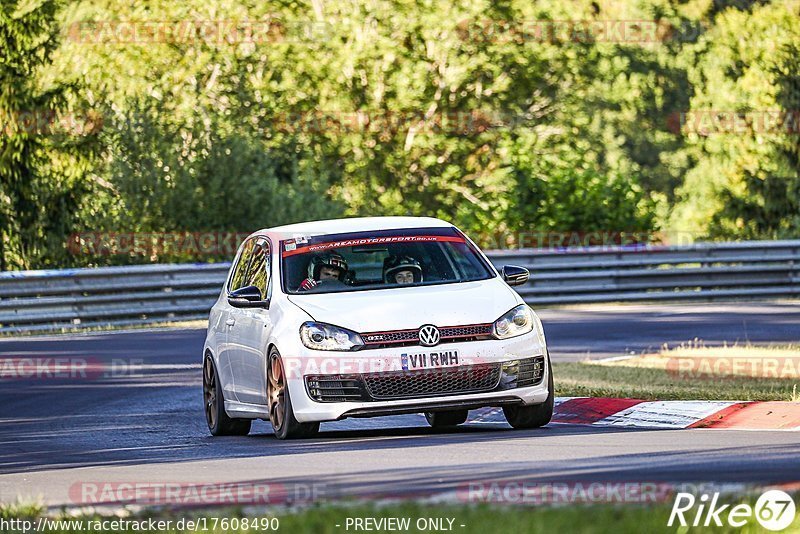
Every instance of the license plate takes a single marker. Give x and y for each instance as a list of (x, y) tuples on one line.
[(429, 360)]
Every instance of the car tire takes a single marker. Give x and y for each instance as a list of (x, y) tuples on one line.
[(219, 424), (537, 415), (446, 419), (279, 403)]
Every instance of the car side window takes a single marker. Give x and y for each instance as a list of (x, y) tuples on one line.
[(238, 278), (258, 272)]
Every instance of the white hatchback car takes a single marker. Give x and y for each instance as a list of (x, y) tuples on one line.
[(363, 317)]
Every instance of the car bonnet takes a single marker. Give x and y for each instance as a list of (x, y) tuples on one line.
[(401, 308)]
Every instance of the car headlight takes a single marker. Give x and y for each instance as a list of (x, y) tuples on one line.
[(321, 336), (514, 323)]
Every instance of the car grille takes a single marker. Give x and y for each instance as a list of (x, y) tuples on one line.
[(449, 334), (523, 373), (423, 383), (335, 388), (433, 382)]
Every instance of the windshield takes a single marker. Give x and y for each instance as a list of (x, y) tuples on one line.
[(379, 260)]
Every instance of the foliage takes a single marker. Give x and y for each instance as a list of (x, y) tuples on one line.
[(387, 107), (45, 149), (746, 183)]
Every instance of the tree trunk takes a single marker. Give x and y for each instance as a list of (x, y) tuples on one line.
[(2, 250)]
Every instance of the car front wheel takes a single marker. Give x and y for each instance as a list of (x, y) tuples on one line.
[(521, 417), (279, 402), (219, 424)]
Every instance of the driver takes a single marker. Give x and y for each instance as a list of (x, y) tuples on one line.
[(401, 270), (330, 266)]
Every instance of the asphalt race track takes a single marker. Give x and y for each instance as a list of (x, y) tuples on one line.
[(56, 434)]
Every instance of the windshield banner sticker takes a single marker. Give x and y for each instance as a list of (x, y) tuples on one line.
[(291, 248)]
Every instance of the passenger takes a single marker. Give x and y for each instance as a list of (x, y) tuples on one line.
[(401, 270), (322, 267)]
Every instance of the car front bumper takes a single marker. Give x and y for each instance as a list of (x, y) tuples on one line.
[(375, 362)]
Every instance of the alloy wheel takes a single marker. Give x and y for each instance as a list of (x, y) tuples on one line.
[(276, 392), (210, 392)]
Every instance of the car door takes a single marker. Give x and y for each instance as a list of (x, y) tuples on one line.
[(251, 331), (226, 323)]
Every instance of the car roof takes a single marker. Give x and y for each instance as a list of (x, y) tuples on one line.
[(353, 224)]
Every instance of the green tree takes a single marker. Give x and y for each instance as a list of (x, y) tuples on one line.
[(421, 107), (44, 148), (189, 142), (744, 183)]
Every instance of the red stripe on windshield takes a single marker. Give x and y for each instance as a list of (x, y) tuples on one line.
[(321, 247)]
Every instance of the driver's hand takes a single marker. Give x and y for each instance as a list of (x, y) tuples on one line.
[(307, 284)]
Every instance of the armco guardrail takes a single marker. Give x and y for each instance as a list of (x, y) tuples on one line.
[(69, 298), (47, 300), (704, 271)]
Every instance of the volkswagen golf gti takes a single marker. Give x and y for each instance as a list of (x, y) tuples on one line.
[(364, 317)]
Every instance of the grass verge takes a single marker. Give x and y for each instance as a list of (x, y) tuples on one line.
[(588, 380), (688, 372)]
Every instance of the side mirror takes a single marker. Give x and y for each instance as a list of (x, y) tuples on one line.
[(514, 276), (247, 297)]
